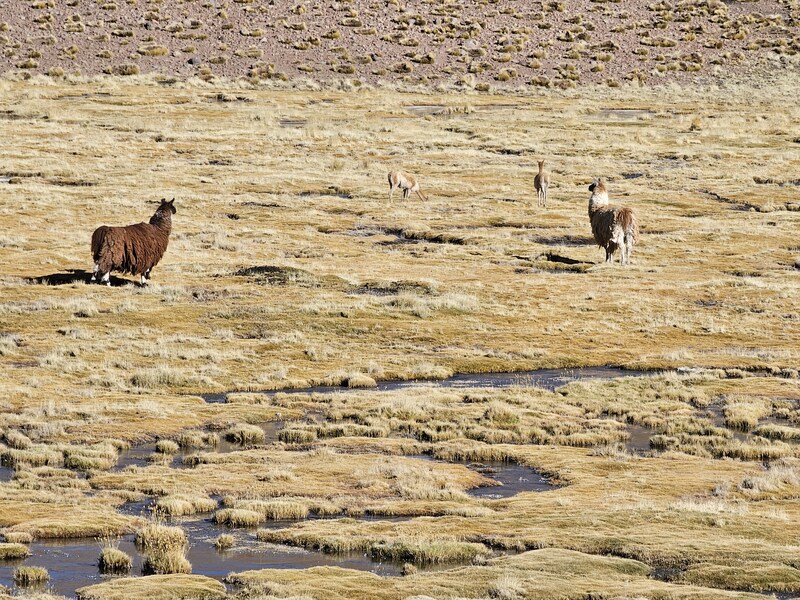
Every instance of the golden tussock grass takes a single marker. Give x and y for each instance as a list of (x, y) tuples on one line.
[(12, 550), (156, 587), (113, 560), (155, 537), (30, 576)]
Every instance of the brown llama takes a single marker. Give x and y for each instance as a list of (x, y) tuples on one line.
[(406, 182), (133, 249), (612, 226), (542, 183)]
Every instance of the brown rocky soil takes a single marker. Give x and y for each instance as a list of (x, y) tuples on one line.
[(509, 42)]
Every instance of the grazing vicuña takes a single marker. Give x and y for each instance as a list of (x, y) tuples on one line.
[(612, 226), (406, 182), (133, 249)]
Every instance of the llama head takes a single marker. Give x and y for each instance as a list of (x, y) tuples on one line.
[(167, 206), (599, 184), (541, 163)]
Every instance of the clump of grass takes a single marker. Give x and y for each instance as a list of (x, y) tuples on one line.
[(17, 439), (245, 434), (18, 537), (99, 457), (224, 542), (155, 537), (507, 587), (167, 447), (743, 412), (10, 551), (294, 435), (428, 552), (180, 505), (777, 432), (426, 370), (781, 479), (276, 510), (114, 561), (30, 576), (166, 563), (197, 439), (165, 548), (238, 517)]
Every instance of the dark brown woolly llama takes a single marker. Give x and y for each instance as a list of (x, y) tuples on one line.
[(612, 226), (133, 249)]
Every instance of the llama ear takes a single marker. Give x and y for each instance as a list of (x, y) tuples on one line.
[(171, 201)]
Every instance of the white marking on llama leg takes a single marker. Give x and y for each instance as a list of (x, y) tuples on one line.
[(107, 278), (94, 271)]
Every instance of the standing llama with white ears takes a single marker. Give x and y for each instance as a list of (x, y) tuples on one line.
[(133, 249), (542, 182), (406, 182), (612, 226)]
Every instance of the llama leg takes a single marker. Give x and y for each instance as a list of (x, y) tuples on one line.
[(406, 192), (544, 193), (107, 278), (145, 277), (94, 271), (391, 193)]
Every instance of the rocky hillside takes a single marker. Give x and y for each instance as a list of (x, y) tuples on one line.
[(473, 43)]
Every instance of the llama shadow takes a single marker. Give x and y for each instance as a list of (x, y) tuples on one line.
[(563, 240), (74, 276)]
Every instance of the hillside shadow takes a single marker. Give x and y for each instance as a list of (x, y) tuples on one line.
[(74, 276)]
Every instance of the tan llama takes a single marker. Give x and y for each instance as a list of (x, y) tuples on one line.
[(406, 182), (541, 182)]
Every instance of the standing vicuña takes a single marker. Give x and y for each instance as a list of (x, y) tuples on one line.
[(406, 182), (541, 182), (612, 226), (133, 249)]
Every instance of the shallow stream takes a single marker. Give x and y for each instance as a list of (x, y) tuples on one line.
[(549, 379)]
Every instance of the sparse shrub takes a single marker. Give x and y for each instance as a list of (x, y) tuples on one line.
[(126, 70)]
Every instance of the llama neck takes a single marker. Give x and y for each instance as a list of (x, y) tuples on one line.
[(541, 168), (162, 220), (597, 201)]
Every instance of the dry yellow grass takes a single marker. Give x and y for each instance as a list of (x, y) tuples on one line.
[(288, 268), (156, 587)]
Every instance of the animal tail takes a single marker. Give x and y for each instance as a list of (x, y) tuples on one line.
[(629, 223)]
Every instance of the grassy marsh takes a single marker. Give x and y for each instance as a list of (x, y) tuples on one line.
[(287, 268)]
